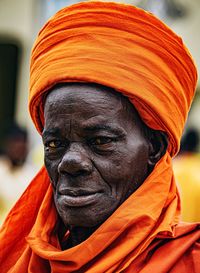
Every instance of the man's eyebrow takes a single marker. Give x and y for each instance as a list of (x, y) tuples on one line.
[(50, 132), (99, 127)]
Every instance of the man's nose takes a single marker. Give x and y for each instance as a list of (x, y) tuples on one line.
[(75, 161)]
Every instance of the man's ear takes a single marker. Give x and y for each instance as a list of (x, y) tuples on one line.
[(157, 148)]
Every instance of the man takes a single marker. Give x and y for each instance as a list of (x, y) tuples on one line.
[(110, 90)]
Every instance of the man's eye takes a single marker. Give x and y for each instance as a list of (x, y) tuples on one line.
[(101, 140), (53, 144)]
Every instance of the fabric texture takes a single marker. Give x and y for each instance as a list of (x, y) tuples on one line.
[(125, 48), (136, 238)]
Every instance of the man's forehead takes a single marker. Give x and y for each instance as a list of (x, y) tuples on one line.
[(92, 105), (82, 99), (70, 92)]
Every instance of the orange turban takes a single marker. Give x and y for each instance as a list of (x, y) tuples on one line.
[(122, 47), (127, 49)]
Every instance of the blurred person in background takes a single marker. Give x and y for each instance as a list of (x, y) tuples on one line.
[(15, 171), (187, 172)]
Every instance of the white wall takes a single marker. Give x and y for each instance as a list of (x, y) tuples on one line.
[(16, 21)]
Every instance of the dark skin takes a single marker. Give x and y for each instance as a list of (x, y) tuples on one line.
[(97, 153)]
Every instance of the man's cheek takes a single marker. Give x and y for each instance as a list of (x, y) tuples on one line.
[(52, 169), (116, 168), (112, 174)]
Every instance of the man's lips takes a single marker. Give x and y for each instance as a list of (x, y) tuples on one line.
[(79, 198)]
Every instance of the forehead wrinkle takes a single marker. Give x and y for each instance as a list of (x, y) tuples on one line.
[(98, 127)]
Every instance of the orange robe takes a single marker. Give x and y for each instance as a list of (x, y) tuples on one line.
[(131, 51), (142, 235)]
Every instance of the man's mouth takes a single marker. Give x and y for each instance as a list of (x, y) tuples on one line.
[(78, 198)]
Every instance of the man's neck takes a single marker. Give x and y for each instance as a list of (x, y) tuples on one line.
[(77, 235)]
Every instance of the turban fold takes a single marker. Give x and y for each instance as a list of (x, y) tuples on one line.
[(122, 47)]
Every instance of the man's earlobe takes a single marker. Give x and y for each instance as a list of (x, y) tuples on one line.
[(157, 147)]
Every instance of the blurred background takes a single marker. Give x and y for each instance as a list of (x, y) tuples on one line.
[(20, 22)]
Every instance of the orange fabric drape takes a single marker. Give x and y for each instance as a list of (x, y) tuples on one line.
[(131, 51), (127, 241)]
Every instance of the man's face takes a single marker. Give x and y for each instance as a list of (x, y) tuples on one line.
[(16, 150), (95, 152)]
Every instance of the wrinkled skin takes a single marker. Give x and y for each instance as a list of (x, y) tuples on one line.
[(96, 152)]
